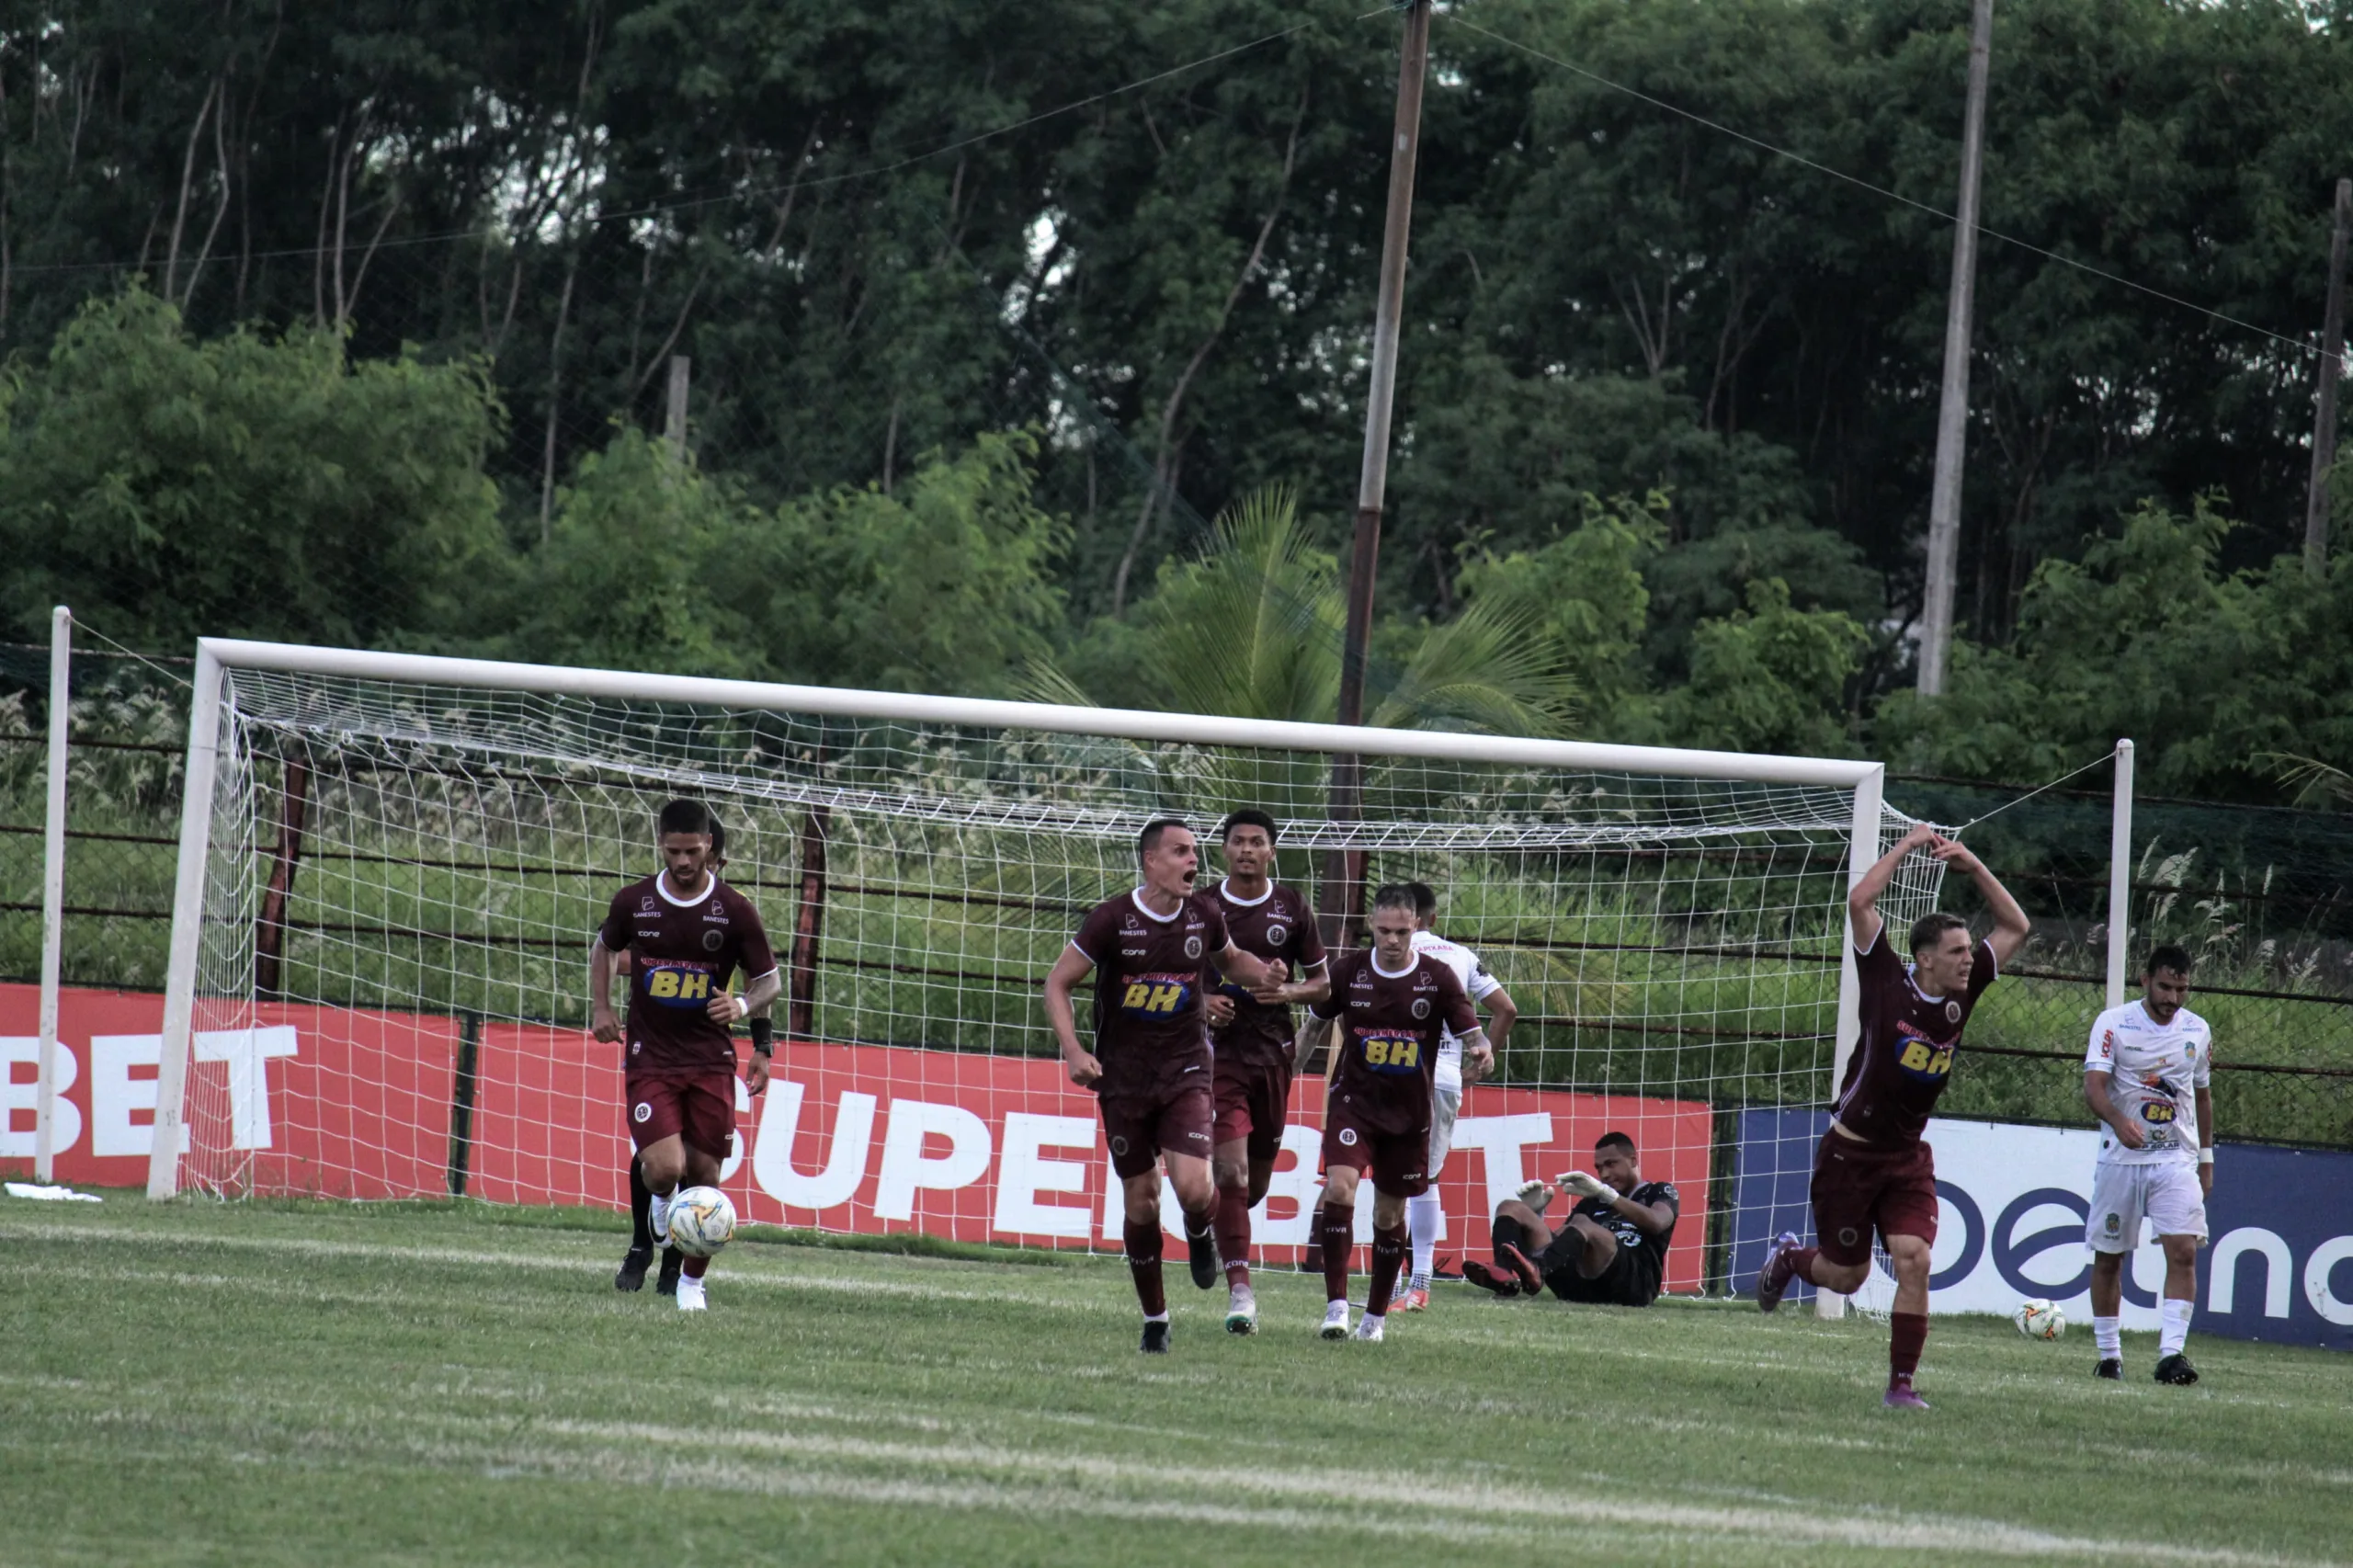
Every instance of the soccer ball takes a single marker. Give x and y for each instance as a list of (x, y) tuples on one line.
[(2037, 1319), (701, 1221)]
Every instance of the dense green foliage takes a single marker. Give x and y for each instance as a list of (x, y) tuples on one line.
[(428, 253), (404, 1383)]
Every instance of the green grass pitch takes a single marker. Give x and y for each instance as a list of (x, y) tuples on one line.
[(267, 1383)]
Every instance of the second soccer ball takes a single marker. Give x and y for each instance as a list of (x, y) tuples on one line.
[(701, 1219), (2037, 1319)]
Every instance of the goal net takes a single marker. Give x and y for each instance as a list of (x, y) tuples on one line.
[(392, 867)]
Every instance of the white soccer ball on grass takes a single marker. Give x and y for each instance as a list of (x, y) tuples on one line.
[(701, 1219), (2037, 1319)]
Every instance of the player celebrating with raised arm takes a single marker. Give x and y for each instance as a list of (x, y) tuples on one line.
[(1872, 1170), (686, 934), (1151, 1064), (2146, 1076), (1425, 1215), (1251, 1033), (1392, 1007)]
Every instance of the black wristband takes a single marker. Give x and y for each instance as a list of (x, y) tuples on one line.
[(763, 1036)]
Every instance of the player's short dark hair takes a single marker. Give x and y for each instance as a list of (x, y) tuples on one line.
[(1614, 1141), (1393, 896), (1930, 928), (2168, 955), (683, 816), (1149, 839), (1425, 899), (1249, 816)]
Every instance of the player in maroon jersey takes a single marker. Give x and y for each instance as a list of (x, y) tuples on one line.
[(1149, 1067), (1392, 1007), (1872, 1171), (1253, 1040), (686, 934)]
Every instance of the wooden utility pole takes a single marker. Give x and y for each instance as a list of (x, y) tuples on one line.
[(2331, 373), (674, 425), (1952, 411), (1342, 894)]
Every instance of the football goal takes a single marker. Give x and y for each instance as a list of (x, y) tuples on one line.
[(390, 865)]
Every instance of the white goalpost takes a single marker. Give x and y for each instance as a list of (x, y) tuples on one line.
[(390, 866)]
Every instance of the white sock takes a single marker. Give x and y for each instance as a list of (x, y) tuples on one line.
[(2109, 1334), (1423, 1218), (657, 1219), (2173, 1325), (1156, 1317), (1375, 1319)]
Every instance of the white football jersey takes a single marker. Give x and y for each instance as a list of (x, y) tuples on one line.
[(2155, 1070), (1475, 979)]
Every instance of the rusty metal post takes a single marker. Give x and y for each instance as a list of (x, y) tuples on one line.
[(269, 938)]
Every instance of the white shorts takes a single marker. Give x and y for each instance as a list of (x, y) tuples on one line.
[(2165, 1193), (1444, 1104)]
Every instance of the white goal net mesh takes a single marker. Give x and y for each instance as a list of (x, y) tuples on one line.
[(403, 881)]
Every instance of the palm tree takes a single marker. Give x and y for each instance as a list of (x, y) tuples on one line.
[(1254, 625)]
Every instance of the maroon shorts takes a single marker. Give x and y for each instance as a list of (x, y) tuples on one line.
[(1399, 1161), (1252, 1103), (697, 1104), (1139, 1130), (1859, 1188)]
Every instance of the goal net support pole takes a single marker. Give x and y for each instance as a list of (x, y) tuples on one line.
[(1863, 852), (187, 921)]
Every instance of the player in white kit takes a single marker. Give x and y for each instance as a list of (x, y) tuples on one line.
[(1423, 1215), (2147, 1073)]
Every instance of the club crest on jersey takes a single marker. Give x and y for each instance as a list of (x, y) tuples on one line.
[(1157, 995), (1277, 935), (1192, 947), (1952, 1012), (1421, 1008), (677, 985), (1847, 1236), (713, 940)]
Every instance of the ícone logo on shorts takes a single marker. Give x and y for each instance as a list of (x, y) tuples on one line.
[(1278, 935), (713, 940), (1347, 1137), (1952, 1012), (1421, 1006), (644, 1113), (1847, 1236), (1192, 947)]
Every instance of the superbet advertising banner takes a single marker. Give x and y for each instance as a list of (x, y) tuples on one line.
[(358, 1104)]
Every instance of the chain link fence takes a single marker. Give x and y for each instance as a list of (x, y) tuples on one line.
[(2259, 895)]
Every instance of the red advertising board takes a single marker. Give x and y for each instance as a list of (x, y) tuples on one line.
[(848, 1137)]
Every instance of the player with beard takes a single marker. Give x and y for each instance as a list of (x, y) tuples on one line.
[(1151, 1067), (685, 934), (1392, 1009), (1253, 1038), (1872, 1170), (640, 1256)]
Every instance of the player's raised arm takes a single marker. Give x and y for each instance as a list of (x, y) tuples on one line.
[(1862, 898), (2010, 923), (1069, 971)]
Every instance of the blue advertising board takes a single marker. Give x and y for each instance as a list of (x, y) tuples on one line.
[(2014, 1200)]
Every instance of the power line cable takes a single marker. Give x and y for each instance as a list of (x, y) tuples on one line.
[(2297, 345)]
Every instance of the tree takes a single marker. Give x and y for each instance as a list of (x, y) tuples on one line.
[(254, 483)]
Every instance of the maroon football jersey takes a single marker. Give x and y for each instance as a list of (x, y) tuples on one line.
[(1151, 993), (1904, 1057), (681, 955), (1390, 1027), (1278, 927)]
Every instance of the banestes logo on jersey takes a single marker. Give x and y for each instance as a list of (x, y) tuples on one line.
[(677, 985), (1157, 995)]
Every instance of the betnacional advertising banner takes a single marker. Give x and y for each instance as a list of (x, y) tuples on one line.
[(859, 1138), (2013, 1202)]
